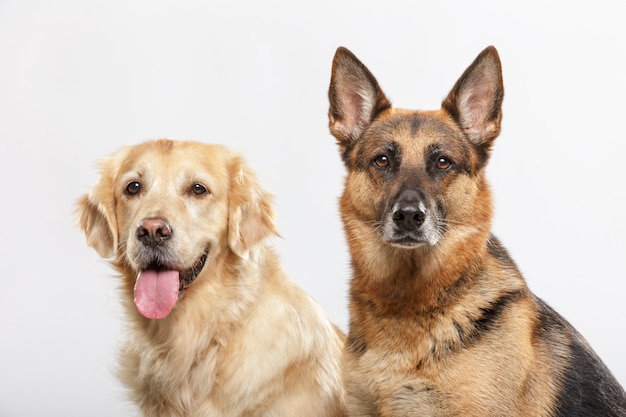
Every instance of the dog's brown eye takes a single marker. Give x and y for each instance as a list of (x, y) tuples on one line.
[(133, 188), (198, 189), (381, 161), (443, 163)]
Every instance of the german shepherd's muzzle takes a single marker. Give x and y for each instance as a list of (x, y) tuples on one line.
[(442, 322), (411, 219)]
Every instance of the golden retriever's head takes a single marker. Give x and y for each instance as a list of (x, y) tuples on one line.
[(166, 208)]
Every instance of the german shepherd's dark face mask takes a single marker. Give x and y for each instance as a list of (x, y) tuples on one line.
[(415, 175)]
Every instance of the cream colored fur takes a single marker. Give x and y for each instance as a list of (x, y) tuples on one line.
[(243, 339)]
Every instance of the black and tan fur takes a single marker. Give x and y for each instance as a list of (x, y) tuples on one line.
[(441, 321)]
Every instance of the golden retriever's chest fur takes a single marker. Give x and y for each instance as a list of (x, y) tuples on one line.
[(207, 365), (165, 379)]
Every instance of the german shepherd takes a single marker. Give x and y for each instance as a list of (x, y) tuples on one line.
[(442, 322)]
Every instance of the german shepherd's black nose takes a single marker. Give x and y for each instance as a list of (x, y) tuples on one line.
[(153, 231), (409, 212)]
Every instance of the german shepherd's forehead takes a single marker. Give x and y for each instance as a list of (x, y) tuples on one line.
[(412, 137)]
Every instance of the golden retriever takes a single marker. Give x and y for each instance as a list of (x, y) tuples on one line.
[(216, 328)]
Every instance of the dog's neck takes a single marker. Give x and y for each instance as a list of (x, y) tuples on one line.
[(413, 279)]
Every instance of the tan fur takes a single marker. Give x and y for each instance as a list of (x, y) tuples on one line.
[(243, 340), (441, 321)]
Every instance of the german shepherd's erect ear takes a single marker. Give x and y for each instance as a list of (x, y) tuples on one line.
[(355, 99), (475, 101)]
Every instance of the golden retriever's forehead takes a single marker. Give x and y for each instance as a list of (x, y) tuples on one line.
[(176, 161)]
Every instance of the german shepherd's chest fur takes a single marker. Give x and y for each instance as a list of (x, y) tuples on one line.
[(441, 321)]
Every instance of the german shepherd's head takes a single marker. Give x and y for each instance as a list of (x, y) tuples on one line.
[(415, 178)]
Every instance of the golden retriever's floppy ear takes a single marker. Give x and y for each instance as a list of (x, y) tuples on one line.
[(95, 213), (250, 212)]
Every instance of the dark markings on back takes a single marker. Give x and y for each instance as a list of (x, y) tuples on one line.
[(499, 252), (589, 389)]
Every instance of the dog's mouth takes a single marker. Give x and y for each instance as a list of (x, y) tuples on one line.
[(158, 287), (411, 225), (189, 275), (406, 242), (425, 236)]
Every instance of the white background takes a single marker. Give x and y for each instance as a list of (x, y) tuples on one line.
[(78, 79)]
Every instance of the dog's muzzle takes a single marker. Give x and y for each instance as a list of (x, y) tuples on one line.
[(409, 212), (161, 282), (409, 222)]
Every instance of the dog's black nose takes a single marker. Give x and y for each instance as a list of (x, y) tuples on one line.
[(153, 231), (409, 211)]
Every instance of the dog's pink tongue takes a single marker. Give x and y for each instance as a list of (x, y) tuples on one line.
[(156, 293)]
